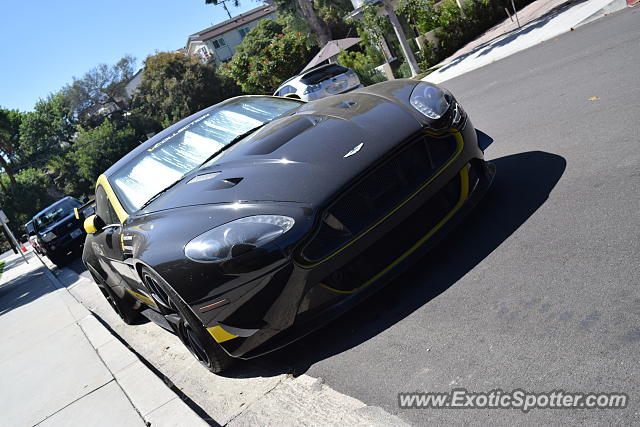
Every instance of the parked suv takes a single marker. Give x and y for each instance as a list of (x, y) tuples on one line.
[(320, 82), (57, 229)]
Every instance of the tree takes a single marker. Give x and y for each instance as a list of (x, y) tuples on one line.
[(175, 86), (101, 87), (46, 129), (95, 150), (306, 10), (9, 140), (269, 54), (31, 192)]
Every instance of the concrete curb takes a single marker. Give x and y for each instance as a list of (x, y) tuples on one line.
[(612, 7), (531, 34), (151, 397)]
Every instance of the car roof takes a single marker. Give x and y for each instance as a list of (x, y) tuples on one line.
[(319, 68)]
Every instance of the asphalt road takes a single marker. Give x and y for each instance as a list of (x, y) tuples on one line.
[(538, 289)]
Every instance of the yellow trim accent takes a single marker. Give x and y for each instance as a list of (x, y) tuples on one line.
[(460, 143), (220, 335), (122, 241), (122, 214), (76, 213), (145, 299), (464, 194), (89, 226)]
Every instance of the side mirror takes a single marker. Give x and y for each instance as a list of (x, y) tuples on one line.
[(92, 224), (85, 200)]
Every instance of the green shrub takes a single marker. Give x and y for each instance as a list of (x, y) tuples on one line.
[(361, 64)]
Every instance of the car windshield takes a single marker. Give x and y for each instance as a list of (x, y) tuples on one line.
[(55, 213), (184, 150)]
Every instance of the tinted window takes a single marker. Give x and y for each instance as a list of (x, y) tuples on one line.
[(104, 210), (322, 74), (286, 90), (189, 146), (55, 213)]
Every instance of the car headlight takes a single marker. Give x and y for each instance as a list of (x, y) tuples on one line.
[(227, 240), (429, 100), (48, 237)]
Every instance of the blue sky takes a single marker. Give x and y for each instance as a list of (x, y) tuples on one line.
[(43, 44)]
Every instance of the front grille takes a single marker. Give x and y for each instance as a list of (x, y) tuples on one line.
[(65, 228), (394, 244), (379, 192)]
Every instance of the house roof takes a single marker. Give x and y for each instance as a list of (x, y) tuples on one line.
[(230, 24)]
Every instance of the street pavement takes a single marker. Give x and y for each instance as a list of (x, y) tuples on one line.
[(537, 289), (61, 367)]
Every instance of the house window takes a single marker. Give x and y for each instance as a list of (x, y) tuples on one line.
[(243, 31), (219, 42)]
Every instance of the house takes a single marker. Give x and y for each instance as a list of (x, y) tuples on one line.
[(217, 43)]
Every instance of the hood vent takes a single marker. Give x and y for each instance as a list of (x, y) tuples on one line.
[(266, 143), (224, 184)]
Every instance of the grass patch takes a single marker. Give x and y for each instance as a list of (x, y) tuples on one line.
[(1, 267)]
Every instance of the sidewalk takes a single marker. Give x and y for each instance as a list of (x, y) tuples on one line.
[(540, 21), (60, 366)]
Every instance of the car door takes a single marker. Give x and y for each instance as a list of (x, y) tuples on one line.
[(106, 241)]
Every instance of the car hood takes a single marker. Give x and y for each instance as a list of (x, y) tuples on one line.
[(305, 157)]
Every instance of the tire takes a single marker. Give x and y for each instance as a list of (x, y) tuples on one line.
[(189, 329), (125, 307)]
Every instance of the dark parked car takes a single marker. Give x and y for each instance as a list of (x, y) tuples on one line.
[(259, 219), (57, 230)]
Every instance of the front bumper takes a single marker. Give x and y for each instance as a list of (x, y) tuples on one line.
[(65, 244), (297, 297)]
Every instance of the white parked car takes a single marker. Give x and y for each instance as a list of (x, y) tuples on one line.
[(320, 82)]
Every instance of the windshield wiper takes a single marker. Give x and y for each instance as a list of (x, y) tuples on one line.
[(234, 141), (161, 192)]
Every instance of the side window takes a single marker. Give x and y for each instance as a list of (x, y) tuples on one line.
[(286, 90), (103, 207)]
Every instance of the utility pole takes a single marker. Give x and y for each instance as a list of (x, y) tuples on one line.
[(397, 28), (12, 240), (224, 4)]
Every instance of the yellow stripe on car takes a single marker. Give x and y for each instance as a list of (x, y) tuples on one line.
[(460, 146), (122, 214), (220, 335), (142, 298), (464, 194)]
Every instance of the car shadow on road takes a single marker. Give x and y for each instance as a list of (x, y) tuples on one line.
[(523, 183)]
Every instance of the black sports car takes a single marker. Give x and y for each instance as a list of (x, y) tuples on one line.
[(254, 221)]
